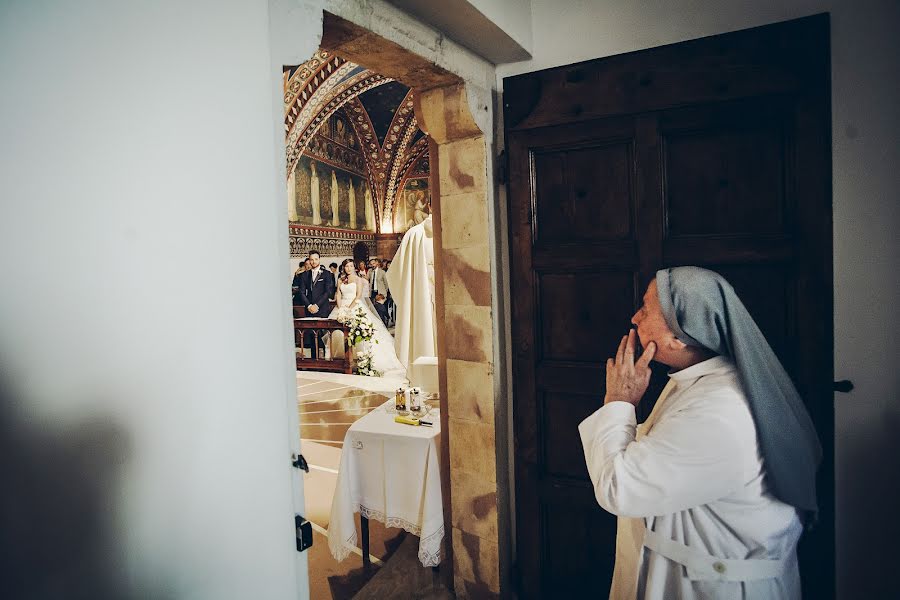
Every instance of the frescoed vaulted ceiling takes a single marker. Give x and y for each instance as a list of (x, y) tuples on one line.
[(379, 109), (381, 103)]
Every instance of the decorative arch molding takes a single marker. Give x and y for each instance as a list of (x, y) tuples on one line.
[(387, 162), (300, 83), (329, 242), (365, 133), (323, 103), (326, 83), (401, 133)]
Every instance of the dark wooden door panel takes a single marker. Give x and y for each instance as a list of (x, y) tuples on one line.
[(560, 415), (735, 249), (725, 168), (570, 257), (585, 193), (755, 63), (769, 293), (713, 152), (577, 529), (579, 312), (725, 181)]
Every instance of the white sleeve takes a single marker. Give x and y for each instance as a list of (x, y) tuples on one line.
[(689, 458)]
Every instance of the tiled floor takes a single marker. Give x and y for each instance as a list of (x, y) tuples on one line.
[(328, 404), (328, 409)]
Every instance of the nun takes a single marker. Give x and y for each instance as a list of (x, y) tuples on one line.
[(713, 490)]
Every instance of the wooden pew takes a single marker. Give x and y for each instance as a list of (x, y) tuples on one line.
[(317, 328)]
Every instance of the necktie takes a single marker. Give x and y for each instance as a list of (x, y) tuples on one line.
[(375, 280)]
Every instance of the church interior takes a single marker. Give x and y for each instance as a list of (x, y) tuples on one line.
[(356, 157), (358, 181)]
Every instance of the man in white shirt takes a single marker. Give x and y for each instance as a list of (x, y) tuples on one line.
[(699, 512)]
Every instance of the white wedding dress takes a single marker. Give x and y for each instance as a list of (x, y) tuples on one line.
[(384, 357)]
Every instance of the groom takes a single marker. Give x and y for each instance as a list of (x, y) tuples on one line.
[(316, 287)]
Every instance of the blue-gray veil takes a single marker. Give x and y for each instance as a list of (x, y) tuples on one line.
[(702, 309)]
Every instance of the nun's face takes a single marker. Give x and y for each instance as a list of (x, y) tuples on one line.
[(652, 327)]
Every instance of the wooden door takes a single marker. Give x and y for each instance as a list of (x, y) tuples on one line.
[(713, 152)]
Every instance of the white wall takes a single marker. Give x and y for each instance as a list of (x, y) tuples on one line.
[(866, 177), (512, 16), (498, 30), (144, 315)]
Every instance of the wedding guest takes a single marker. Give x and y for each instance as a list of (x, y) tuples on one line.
[(379, 289), (295, 284)]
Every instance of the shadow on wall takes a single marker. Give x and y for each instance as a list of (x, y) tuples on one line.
[(57, 506)]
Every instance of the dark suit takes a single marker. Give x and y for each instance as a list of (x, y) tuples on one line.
[(295, 289), (316, 292)]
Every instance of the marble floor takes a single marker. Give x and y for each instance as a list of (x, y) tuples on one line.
[(328, 403)]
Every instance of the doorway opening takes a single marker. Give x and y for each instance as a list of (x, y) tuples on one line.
[(378, 140)]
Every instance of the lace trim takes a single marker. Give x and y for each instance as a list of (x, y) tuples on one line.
[(390, 521), (429, 547), (344, 551)]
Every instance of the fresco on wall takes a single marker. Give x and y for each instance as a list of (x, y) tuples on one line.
[(413, 204), (330, 180), (357, 159)]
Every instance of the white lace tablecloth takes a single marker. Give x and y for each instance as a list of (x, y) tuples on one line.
[(389, 472)]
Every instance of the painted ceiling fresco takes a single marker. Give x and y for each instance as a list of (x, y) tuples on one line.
[(382, 103), (380, 112)]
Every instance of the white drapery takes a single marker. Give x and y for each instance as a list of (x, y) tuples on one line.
[(411, 281)]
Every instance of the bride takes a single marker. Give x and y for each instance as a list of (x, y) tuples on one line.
[(350, 295)]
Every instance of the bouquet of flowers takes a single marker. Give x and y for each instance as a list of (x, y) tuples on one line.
[(343, 315), (361, 328), (364, 364)]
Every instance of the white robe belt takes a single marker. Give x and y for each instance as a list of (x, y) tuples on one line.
[(703, 566)]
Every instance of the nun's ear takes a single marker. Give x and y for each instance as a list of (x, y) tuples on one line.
[(676, 344)]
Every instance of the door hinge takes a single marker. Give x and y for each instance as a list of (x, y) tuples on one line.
[(299, 462), (303, 531)]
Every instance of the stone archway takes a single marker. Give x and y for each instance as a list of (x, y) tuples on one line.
[(459, 179)]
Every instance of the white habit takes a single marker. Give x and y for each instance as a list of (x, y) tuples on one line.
[(695, 519), (411, 281)]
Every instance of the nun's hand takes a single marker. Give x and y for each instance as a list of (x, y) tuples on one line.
[(627, 380)]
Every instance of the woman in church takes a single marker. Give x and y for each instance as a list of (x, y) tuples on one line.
[(352, 293)]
